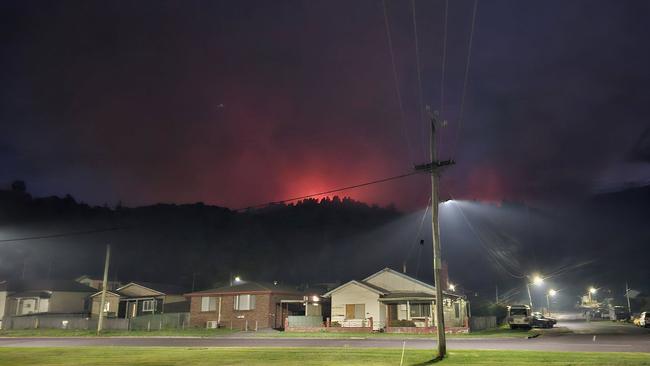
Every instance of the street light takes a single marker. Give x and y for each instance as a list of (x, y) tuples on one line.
[(452, 287), (537, 281), (237, 279), (592, 291), (551, 293)]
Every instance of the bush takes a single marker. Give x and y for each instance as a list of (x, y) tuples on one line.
[(335, 324), (402, 323)]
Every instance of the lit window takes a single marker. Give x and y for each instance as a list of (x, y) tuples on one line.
[(107, 307), (208, 303), (244, 302), (149, 305), (420, 310)]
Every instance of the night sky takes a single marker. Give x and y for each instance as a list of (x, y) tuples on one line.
[(235, 103)]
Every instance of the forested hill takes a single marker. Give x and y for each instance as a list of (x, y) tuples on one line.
[(310, 241)]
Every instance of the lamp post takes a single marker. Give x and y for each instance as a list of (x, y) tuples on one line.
[(592, 291), (537, 281), (551, 293)]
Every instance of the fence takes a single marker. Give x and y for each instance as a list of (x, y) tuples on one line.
[(75, 321), (482, 322)]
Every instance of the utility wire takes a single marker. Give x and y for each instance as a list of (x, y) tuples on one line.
[(494, 257), (62, 235), (330, 191), (443, 64), (395, 79), (422, 123), (465, 79)]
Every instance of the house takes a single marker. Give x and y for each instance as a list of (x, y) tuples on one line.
[(250, 305), (43, 296), (389, 297), (96, 282), (140, 298)]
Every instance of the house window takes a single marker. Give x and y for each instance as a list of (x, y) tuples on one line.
[(149, 305), (422, 310), (355, 311), (457, 309), (208, 303), (107, 307), (245, 302)]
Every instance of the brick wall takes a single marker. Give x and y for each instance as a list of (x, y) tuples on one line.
[(264, 313)]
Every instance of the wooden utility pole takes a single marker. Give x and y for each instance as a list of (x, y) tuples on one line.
[(435, 229), (102, 303), (627, 296)]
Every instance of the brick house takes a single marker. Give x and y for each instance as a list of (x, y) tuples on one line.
[(249, 305)]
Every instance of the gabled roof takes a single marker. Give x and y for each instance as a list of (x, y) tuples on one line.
[(248, 287), (114, 293), (400, 274), (370, 287), (45, 285), (161, 288)]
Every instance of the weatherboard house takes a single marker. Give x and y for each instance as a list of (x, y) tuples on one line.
[(389, 299), (140, 298)]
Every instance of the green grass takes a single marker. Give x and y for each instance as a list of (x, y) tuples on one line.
[(190, 332), (108, 356)]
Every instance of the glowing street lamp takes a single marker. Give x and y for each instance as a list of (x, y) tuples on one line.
[(452, 287), (537, 281), (551, 293), (592, 291)]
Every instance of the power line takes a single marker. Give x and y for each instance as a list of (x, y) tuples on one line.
[(466, 78), (61, 235), (443, 63), (330, 191), (422, 123), (395, 79)]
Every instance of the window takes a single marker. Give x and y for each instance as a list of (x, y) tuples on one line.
[(355, 311), (208, 303), (420, 310), (457, 309), (149, 305), (107, 307), (244, 302)]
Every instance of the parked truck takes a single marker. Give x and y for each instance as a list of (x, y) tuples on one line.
[(519, 316)]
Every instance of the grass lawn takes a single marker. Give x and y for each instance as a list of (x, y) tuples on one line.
[(190, 332), (121, 356)]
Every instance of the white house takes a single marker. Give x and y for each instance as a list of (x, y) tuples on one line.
[(389, 296)]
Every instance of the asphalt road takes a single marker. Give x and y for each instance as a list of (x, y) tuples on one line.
[(588, 337)]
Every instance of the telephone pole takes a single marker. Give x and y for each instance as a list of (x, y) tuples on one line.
[(435, 228), (102, 303), (627, 296)]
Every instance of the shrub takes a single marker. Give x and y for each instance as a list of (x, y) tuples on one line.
[(401, 323), (335, 324)]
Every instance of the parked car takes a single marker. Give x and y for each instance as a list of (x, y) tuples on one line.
[(617, 313), (540, 321), (519, 316), (644, 319)]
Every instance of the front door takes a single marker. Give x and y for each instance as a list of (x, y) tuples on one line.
[(133, 309)]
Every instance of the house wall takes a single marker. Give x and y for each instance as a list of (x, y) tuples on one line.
[(113, 300), (393, 282), (355, 294), (68, 302), (264, 312)]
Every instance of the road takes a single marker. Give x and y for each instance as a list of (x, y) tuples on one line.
[(587, 337)]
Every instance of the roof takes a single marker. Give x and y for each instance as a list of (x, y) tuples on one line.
[(45, 285), (39, 294), (391, 294), (368, 286), (248, 287), (163, 288)]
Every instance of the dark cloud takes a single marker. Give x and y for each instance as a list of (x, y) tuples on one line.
[(120, 101)]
